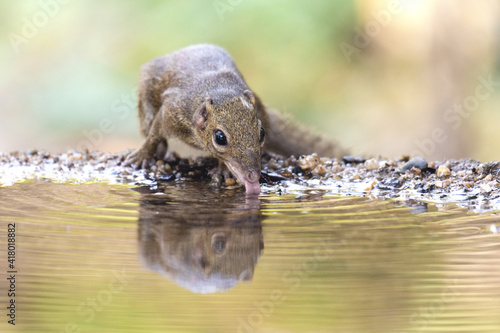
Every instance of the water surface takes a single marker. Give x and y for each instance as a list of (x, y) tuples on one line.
[(188, 257)]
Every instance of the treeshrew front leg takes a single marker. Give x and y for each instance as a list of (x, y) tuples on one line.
[(154, 145)]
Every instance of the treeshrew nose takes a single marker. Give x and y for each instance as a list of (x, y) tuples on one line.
[(253, 176)]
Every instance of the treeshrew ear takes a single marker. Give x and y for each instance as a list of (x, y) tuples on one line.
[(250, 95), (201, 115)]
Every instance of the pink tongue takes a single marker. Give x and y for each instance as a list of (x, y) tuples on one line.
[(252, 188)]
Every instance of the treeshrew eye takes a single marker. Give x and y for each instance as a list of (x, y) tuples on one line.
[(220, 138), (219, 244), (262, 134)]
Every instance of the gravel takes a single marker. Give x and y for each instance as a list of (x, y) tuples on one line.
[(467, 183)]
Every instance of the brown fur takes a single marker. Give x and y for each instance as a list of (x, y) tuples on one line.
[(200, 248), (287, 137), (195, 91)]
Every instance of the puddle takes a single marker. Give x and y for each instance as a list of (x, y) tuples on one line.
[(187, 257)]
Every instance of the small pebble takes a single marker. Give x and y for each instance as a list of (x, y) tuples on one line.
[(230, 182), (442, 183), (273, 166), (485, 188), (415, 171), (319, 170), (353, 159), (290, 161), (308, 162), (328, 163), (356, 176), (443, 171), (416, 162), (337, 169), (371, 165), (368, 186)]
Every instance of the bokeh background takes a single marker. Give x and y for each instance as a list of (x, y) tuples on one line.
[(384, 78)]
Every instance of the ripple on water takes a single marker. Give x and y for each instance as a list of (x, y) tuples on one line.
[(188, 257)]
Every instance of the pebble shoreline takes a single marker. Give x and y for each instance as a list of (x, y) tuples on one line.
[(467, 183)]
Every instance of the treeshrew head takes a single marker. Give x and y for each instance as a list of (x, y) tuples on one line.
[(231, 129)]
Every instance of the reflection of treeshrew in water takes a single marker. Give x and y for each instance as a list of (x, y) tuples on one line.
[(198, 95), (200, 247)]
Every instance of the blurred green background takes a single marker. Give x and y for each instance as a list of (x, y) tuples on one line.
[(381, 77)]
